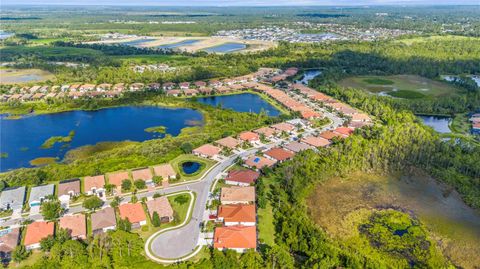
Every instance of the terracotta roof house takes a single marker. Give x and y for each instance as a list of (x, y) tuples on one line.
[(249, 136), (173, 92), (39, 193), (36, 231), (200, 84), (103, 220), (279, 154), (361, 117), (117, 178), (258, 162), (13, 198), (134, 213), (315, 141), (168, 86), (345, 131), (94, 185), (165, 171), (228, 142), (184, 85), (237, 215), (190, 92), (297, 147), (266, 131), (238, 238), (162, 206), (283, 127), (359, 124), (76, 225), (142, 174), (207, 151), (237, 195), (329, 135), (69, 188), (241, 177), (9, 239)]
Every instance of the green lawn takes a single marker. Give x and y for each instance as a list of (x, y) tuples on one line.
[(177, 162), (401, 86), (266, 228)]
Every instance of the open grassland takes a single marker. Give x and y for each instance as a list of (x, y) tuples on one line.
[(401, 86), (342, 204), (410, 41), (20, 76)]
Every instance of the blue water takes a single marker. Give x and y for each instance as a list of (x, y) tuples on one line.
[(227, 47), (5, 35), (244, 102), (21, 139), (178, 44), (308, 75), (439, 124), (190, 167), (137, 42)]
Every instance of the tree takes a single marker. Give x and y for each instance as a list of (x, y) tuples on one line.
[(51, 210), (251, 260), (20, 253), (186, 147), (157, 180), (47, 243), (278, 257), (124, 225), (140, 184), (115, 201), (126, 185), (182, 199), (155, 219), (109, 188), (92, 203), (133, 199)]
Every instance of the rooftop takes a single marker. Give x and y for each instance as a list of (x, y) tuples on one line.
[(134, 212), (164, 170), (243, 176), (161, 205), (76, 225), (279, 154), (39, 192), (297, 147), (13, 198), (235, 237), (249, 136), (96, 182), (238, 194), (259, 162), (208, 150), (315, 141), (9, 240), (103, 218), (143, 174), (66, 186), (228, 142), (237, 213), (117, 178), (36, 231)]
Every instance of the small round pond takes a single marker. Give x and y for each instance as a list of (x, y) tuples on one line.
[(190, 167)]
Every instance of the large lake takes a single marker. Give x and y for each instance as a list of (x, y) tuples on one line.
[(439, 124), (244, 102), (178, 44), (21, 139), (227, 47)]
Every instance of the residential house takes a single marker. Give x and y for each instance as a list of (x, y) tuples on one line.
[(345, 131), (279, 154), (238, 238), (228, 142), (117, 178), (296, 147), (267, 132), (76, 225), (284, 127), (144, 174), (184, 85), (241, 177), (215, 83), (237, 195), (190, 92), (103, 220), (207, 151), (154, 86), (168, 86), (238, 214), (173, 93), (259, 162), (134, 213), (13, 198), (104, 87), (162, 206), (9, 239), (250, 137), (329, 135), (94, 185), (119, 87), (165, 171), (68, 189), (200, 84), (39, 193), (315, 141), (137, 87), (36, 231)]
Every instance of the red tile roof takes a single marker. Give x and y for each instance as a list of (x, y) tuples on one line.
[(235, 237), (242, 176), (315, 141), (259, 162), (134, 212), (36, 231), (249, 136), (237, 213), (329, 135), (117, 178), (279, 154), (228, 142), (237, 194), (143, 174), (94, 182), (76, 225), (208, 150), (344, 131)]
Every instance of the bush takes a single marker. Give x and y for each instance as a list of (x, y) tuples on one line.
[(126, 185), (156, 219), (140, 184)]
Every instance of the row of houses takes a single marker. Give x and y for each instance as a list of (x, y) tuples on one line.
[(14, 198)]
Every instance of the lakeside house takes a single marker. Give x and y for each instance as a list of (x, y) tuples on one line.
[(207, 151), (259, 162), (249, 137), (94, 185), (39, 193), (117, 178), (13, 198), (238, 238), (228, 142), (168, 86), (9, 239), (36, 231), (184, 85), (68, 189), (279, 154), (242, 177), (76, 225), (239, 214), (144, 174), (165, 171), (237, 195), (134, 213), (162, 206), (175, 93), (103, 220)]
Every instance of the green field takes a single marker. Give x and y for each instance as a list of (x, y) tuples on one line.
[(11, 76), (400, 86)]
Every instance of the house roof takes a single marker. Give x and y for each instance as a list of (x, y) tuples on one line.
[(66, 186), (39, 192), (279, 154), (360, 117), (134, 212), (315, 141), (297, 147), (143, 174), (9, 240), (103, 218), (36, 231), (238, 194), (344, 131), (259, 162), (283, 126), (242, 176), (76, 225), (117, 178), (237, 213), (266, 131), (161, 205), (164, 170), (249, 136), (235, 237), (330, 135), (228, 142), (207, 149), (13, 197), (96, 182)]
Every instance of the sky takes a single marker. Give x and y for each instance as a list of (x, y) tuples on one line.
[(240, 2)]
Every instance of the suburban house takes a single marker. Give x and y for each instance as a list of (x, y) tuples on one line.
[(360, 117), (284, 127), (238, 238), (296, 147), (173, 92), (250, 137), (39, 193), (184, 85), (237, 195), (36, 231), (329, 135), (144, 174), (94, 185), (315, 141), (68, 189), (134, 213), (267, 132), (13, 198), (259, 162), (190, 92), (165, 171), (207, 151), (279, 154), (76, 225), (228, 142), (117, 178), (239, 214), (168, 86), (200, 84), (103, 220), (162, 206), (241, 177), (345, 131), (9, 239)]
